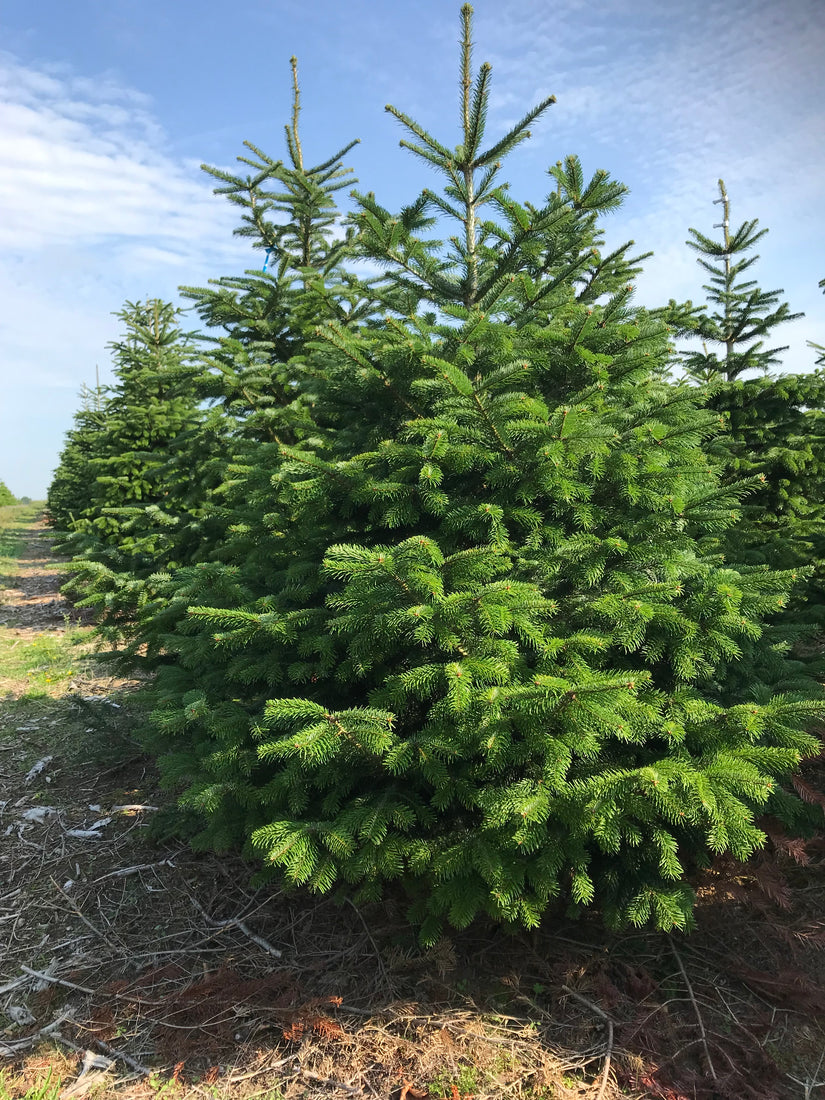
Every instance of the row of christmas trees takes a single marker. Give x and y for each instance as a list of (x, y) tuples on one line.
[(446, 580)]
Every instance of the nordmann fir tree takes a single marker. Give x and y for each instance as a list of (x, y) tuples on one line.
[(744, 313), (773, 425), (819, 348), (255, 375), (68, 493), (507, 648), (122, 530)]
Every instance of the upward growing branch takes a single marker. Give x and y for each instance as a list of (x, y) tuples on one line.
[(470, 241), (464, 192), (725, 226), (296, 111), (466, 64)]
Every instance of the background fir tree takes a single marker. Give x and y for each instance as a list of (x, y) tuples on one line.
[(772, 430), (469, 640), (69, 492), (744, 314), (121, 532), (256, 375)]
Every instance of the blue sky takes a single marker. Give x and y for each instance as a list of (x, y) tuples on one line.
[(108, 107)]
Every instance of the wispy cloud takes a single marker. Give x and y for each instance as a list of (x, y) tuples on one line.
[(669, 98), (95, 210), (83, 163)]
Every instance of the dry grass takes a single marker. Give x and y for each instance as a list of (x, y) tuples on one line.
[(134, 968)]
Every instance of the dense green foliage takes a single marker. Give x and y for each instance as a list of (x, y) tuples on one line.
[(115, 475), (771, 427), (6, 495), (70, 491), (441, 599)]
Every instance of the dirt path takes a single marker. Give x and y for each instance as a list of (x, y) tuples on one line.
[(33, 604)]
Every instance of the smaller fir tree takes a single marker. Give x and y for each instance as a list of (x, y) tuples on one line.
[(477, 645), (744, 314), (69, 492), (122, 530), (772, 430)]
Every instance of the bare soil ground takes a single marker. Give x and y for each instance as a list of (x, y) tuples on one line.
[(131, 967)]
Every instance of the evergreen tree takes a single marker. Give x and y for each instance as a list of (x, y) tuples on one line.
[(122, 528), (254, 373), (819, 348), (69, 492), (466, 636), (773, 430), (744, 314)]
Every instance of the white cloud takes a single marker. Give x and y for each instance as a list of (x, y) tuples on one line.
[(83, 162), (669, 98), (94, 211)]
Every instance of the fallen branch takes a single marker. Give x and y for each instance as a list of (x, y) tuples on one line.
[(235, 922), (332, 1084), (125, 1058), (86, 921), (608, 1023), (697, 1013), (122, 872), (9, 1050), (55, 981)]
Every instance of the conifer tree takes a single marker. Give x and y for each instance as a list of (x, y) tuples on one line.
[(467, 638), (255, 372), (122, 530), (773, 430), (69, 491), (744, 314)]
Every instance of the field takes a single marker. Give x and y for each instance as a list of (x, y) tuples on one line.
[(133, 967)]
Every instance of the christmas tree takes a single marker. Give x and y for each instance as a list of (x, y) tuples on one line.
[(744, 314), (249, 376), (772, 430), (115, 477), (467, 637), (68, 494)]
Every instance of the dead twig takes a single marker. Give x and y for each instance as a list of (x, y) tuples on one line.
[(608, 1023), (696, 1011), (235, 922), (125, 1058), (811, 1083), (55, 981), (123, 872), (9, 1050), (235, 1078), (332, 1084), (86, 921)]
